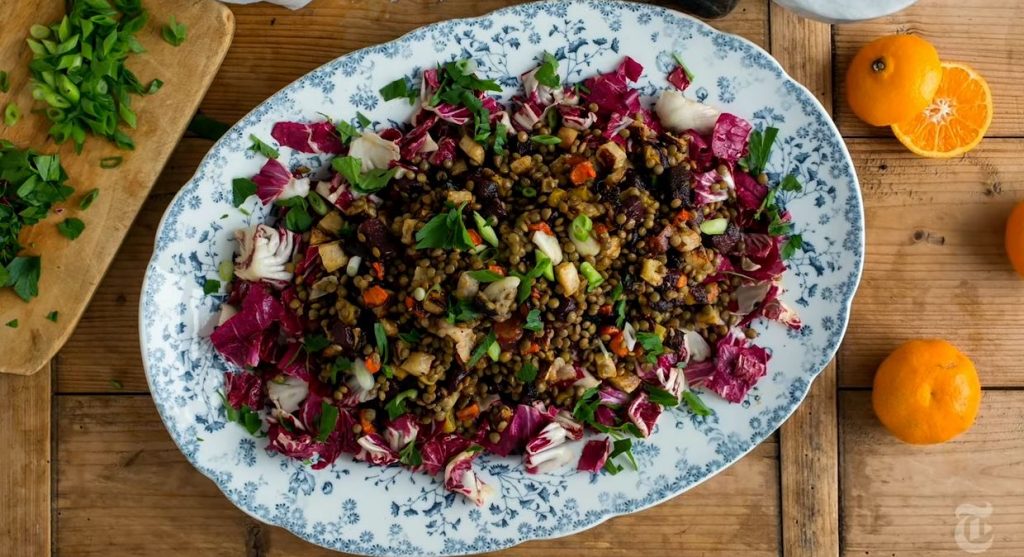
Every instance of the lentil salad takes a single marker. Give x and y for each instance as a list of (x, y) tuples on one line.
[(499, 278)]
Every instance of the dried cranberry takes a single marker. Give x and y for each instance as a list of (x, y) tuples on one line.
[(724, 243), (486, 192), (675, 184)]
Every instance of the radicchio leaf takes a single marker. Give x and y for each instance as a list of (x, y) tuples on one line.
[(526, 422), (644, 413), (738, 366), (240, 339), (595, 454), (729, 138), (274, 182), (243, 389), (374, 450), (440, 449), (320, 137), (459, 477)]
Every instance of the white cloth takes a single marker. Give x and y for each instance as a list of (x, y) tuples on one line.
[(290, 4)]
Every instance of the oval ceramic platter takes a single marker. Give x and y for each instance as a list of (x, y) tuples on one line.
[(357, 508)]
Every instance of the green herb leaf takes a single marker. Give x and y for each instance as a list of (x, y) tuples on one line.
[(586, 405), (111, 162), (88, 198), (759, 151), (153, 87), (71, 228), (661, 396), (412, 337), (174, 33), (547, 72), (545, 139), (485, 275), (116, 384), (621, 447), (13, 323), (367, 182), (262, 148), (445, 231), (347, 132), (793, 243), (790, 183), (328, 421), (399, 89), (461, 310), (5, 82), (652, 346), (410, 455), (11, 114), (396, 407), (315, 343), (500, 138), (481, 349), (363, 121), (297, 219), (211, 286), (696, 405), (620, 313), (533, 321), (52, 316), (527, 373), (241, 189), (381, 337)]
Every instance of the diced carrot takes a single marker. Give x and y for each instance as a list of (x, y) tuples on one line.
[(535, 294), (468, 413), (378, 269), (605, 309), (366, 424), (409, 302), (496, 269), (682, 216), (618, 345), (475, 236), (375, 296), (582, 172), (600, 228), (681, 281), (533, 349), (372, 363), (542, 226), (610, 330)]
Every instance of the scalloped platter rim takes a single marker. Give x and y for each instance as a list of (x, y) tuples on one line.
[(355, 508)]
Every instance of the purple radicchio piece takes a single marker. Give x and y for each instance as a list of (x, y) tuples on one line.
[(263, 254), (319, 137), (374, 450), (274, 182), (644, 413), (240, 339), (595, 454), (459, 477)]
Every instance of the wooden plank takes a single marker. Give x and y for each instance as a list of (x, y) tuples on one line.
[(118, 471), (982, 34), (103, 353), (808, 444), (936, 265), (274, 46), (904, 500), (72, 271), (25, 473)]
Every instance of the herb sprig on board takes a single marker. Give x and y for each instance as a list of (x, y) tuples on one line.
[(30, 184)]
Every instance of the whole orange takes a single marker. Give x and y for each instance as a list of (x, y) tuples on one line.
[(892, 78), (926, 392), (1015, 238)]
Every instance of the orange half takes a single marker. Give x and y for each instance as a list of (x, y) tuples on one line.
[(955, 121)]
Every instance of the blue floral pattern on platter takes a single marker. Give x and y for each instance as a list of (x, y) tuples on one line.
[(356, 508)]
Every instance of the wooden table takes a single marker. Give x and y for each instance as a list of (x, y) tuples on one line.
[(89, 470)]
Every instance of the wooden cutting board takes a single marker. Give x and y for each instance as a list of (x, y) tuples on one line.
[(71, 270)]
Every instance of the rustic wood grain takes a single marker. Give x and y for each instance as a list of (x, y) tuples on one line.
[(274, 46), (72, 271), (25, 472), (118, 471), (935, 264), (980, 33), (808, 444), (902, 499)]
